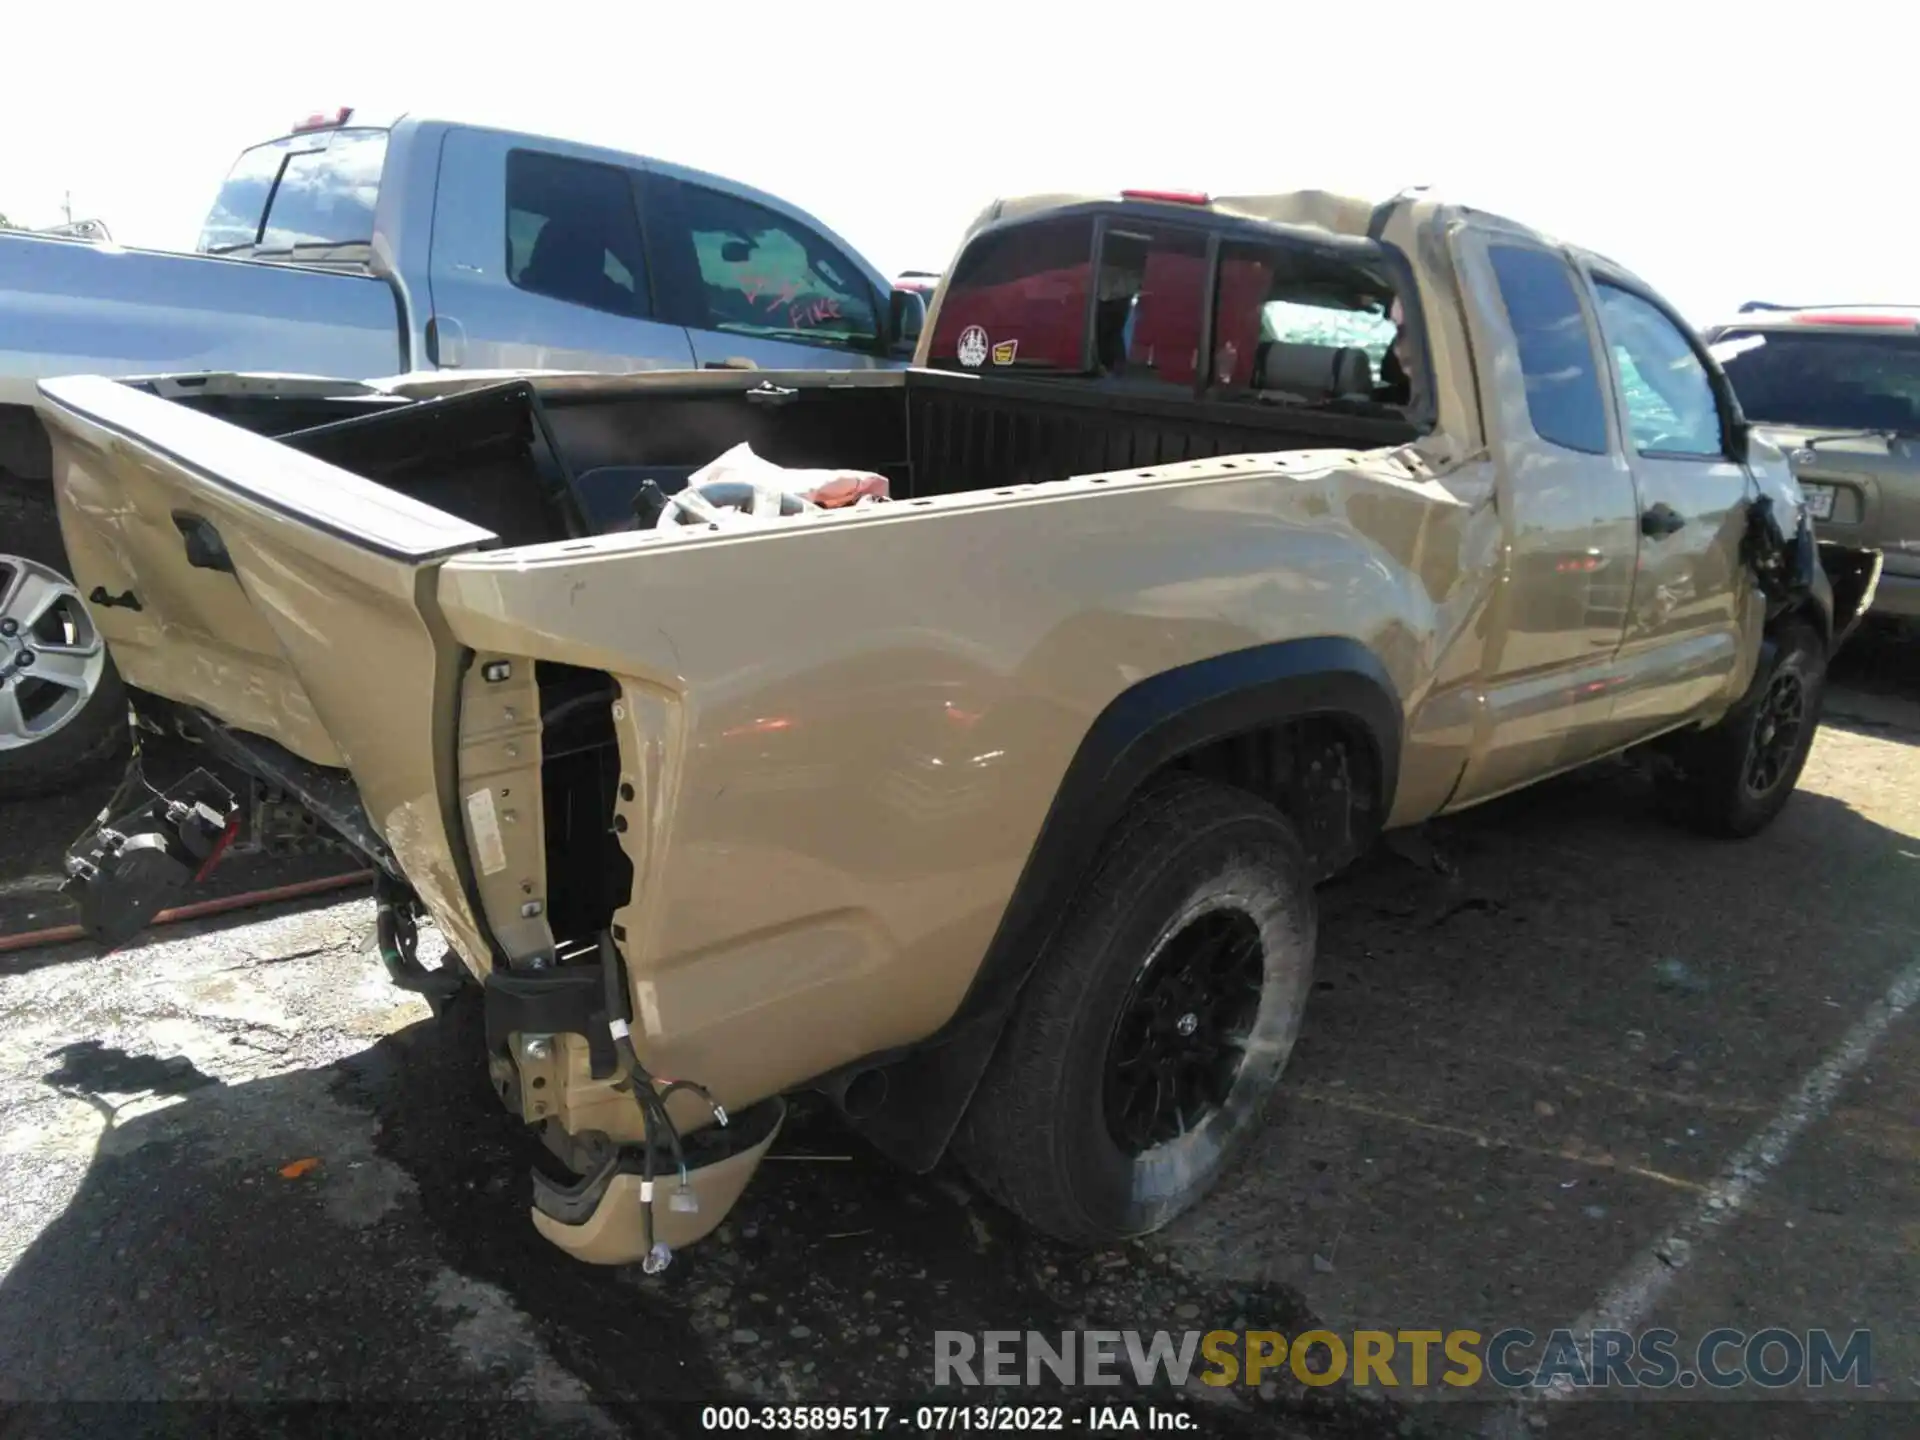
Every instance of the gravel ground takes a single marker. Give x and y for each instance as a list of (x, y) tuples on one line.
[(1550, 1038)]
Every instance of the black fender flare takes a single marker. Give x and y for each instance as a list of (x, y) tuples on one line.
[(1143, 729)]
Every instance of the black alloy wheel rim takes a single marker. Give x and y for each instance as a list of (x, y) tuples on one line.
[(1776, 732), (1181, 1034)]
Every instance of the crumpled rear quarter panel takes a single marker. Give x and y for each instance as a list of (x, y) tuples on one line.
[(844, 732)]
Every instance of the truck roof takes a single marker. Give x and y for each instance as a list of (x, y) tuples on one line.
[(1328, 210)]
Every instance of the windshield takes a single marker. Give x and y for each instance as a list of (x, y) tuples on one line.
[(1824, 380), (300, 193)]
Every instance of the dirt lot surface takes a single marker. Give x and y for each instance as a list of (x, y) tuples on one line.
[(1565, 1066)]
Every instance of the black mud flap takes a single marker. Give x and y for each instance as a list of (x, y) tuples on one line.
[(131, 862), (1854, 574)]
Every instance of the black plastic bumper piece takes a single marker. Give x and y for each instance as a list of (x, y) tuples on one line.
[(570, 1001), (123, 870)]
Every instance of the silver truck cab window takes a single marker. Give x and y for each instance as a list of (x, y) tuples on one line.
[(573, 233), (765, 274), (1556, 348)]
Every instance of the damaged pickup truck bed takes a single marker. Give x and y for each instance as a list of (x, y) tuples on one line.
[(1223, 535)]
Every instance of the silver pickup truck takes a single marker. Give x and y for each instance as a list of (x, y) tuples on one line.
[(358, 248)]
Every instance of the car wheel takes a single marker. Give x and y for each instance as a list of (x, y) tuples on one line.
[(1155, 1027), (63, 710), (1730, 781)]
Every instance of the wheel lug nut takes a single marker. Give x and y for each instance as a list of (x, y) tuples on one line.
[(9, 627), (24, 659)]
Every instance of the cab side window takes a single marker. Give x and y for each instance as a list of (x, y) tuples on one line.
[(764, 273), (1295, 325), (1556, 348), (573, 233), (1670, 404)]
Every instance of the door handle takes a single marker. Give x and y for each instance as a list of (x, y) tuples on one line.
[(1660, 521)]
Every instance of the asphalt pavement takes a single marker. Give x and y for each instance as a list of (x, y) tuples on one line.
[(1563, 1063)]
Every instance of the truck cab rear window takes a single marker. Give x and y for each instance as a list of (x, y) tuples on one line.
[(1017, 300), (1294, 325), (1152, 303), (303, 193)]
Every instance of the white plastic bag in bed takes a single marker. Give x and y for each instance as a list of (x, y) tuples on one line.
[(830, 489)]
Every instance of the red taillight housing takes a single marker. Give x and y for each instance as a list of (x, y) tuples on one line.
[(1855, 317), (1167, 197), (321, 121)]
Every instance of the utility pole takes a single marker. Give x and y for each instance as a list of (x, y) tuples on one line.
[(67, 206)]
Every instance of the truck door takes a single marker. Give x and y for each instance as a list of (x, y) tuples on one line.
[(759, 288), (1569, 517), (1686, 619), (539, 263)]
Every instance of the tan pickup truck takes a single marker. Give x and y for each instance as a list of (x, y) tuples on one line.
[(1223, 535)]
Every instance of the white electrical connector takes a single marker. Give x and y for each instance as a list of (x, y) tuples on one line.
[(658, 1258), (684, 1201), (619, 1029), (646, 1192)]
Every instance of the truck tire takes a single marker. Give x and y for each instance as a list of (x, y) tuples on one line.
[(52, 735), (1731, 780), (1155, 1027)]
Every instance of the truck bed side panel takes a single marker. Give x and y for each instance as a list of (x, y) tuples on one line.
[(843, 734)]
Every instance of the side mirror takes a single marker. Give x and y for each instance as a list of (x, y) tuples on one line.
[(906, 318)]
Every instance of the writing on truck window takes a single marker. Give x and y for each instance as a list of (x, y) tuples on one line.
[(1297, 325), (764, 273)]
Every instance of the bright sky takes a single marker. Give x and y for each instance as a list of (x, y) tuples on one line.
[(1724, 152)]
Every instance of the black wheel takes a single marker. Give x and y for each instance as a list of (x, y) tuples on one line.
[(1153, 1030), (1732, 780), (63, 710)]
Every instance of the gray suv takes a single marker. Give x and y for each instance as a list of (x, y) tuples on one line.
[(1837, 387)]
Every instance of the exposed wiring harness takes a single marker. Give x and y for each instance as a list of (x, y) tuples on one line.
[(651, 1093)]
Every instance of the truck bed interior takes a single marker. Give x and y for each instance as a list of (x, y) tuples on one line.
[(533, 467)]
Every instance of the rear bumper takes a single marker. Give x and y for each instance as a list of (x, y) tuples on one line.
[(603, 1219)]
